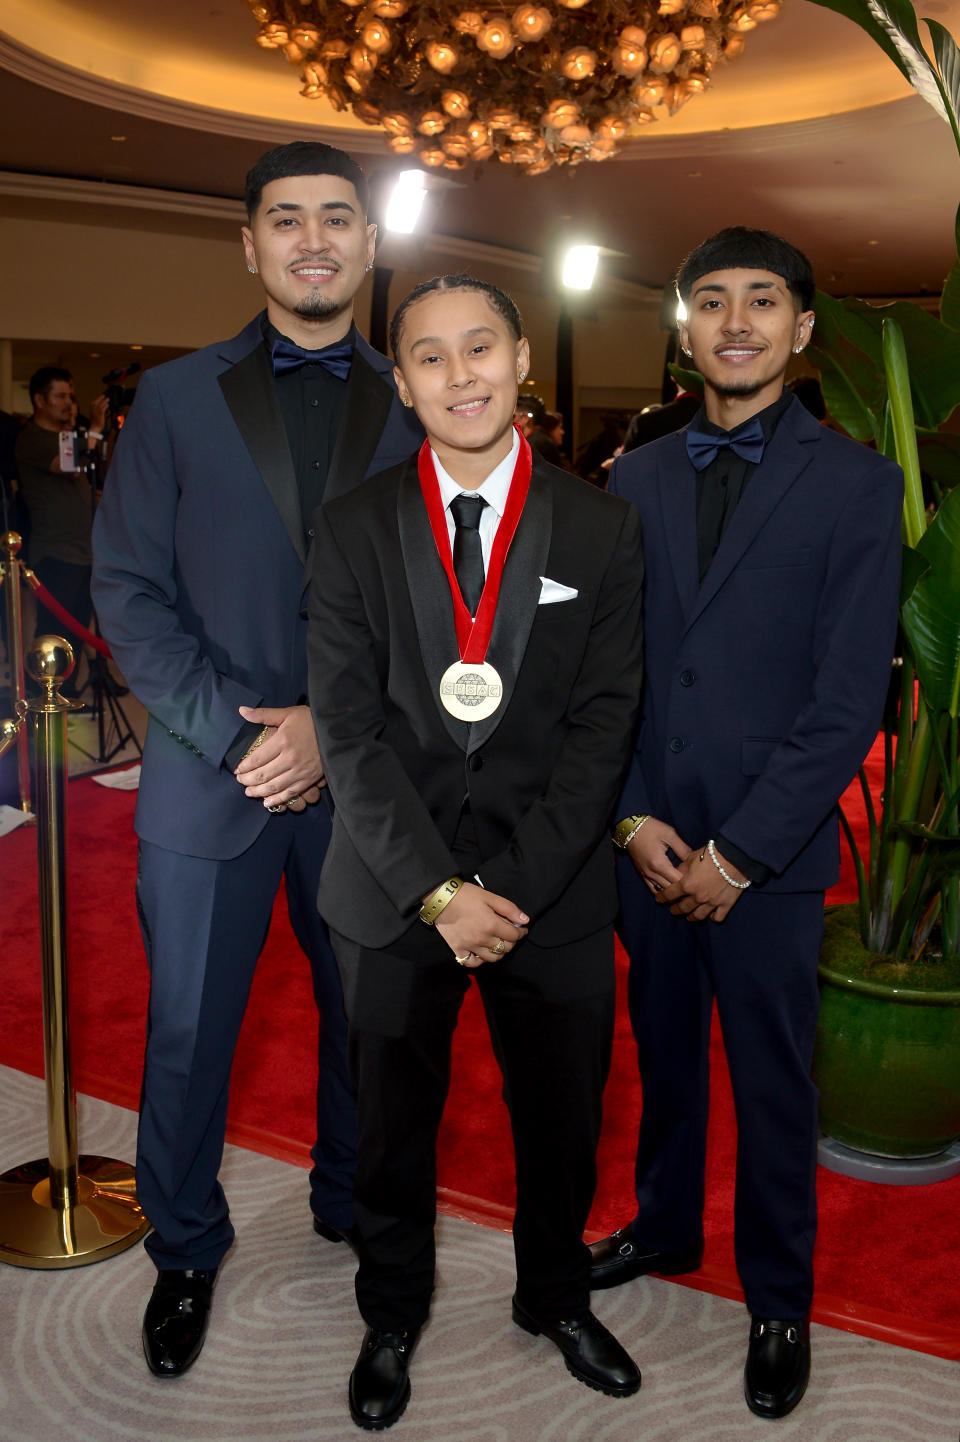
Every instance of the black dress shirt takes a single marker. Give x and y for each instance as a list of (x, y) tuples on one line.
[(720, 486), (311, 403)]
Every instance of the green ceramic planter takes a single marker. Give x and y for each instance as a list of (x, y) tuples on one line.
[(887, 1055)]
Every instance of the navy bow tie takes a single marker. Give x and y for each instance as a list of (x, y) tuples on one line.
[(747, 443), (287, 357)]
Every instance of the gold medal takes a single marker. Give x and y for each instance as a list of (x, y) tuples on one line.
[(471, 690)]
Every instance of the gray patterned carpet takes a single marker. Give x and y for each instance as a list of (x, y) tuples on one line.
[(285, 1333)]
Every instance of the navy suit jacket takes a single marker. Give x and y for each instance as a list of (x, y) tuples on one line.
[(765, 685), (200, 565)]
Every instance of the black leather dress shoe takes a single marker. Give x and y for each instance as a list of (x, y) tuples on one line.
[(619, 1258), (778, 1365), (379, 1386), (591, 1353), (175, 1322), (335, 1234)]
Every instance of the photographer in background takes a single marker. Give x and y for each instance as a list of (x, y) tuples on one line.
[(57, 497)]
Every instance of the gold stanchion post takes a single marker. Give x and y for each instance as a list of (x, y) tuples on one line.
[(64, 1210), (10, 566)]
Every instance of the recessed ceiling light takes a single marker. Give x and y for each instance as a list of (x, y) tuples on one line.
[(118, 138), (694, 174), (136, 347), (873, 242)]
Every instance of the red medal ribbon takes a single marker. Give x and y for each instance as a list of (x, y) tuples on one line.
[(473, 634)]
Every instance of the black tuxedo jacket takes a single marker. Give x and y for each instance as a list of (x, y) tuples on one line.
[(541, 774), (201, 562)]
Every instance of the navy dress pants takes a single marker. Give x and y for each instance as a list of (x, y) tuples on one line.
[(761, 966), (204, 923)]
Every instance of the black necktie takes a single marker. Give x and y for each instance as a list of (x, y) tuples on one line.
[(337, 359), (747, 443), (467, 551)]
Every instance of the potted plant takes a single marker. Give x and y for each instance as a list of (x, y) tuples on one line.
[(887, 1059)]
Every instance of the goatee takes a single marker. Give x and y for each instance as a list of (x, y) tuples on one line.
[(315, 307), (738, 388)]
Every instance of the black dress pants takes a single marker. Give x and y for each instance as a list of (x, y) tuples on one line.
[(550, 1014)]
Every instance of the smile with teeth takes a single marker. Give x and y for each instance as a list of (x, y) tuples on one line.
[(315, 272), (738, 352), (469, 408)]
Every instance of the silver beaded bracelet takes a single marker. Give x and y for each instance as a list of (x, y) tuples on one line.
[(712, 850)]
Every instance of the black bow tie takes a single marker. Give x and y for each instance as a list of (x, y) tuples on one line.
[(337, 359), (747, 443)]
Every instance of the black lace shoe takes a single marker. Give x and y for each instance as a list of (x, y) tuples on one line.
[(591, 1353), (778, 1365), (335, 1234), (619, 1258), (175, 1321), (379, 1386)]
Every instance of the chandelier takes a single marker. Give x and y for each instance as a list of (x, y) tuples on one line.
[(533, 86)]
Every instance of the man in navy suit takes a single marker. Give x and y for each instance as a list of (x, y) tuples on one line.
[(772, 550), (202, 550)]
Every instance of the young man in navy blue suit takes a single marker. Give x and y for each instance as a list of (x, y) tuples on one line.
[(203, 544), (772, 550)]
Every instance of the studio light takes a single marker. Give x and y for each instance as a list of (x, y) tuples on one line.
[(580, 267), (406, 202)]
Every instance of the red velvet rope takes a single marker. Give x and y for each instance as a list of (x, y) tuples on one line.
[(62, 614)]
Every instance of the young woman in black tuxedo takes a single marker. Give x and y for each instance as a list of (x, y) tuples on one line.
[(475, 675)]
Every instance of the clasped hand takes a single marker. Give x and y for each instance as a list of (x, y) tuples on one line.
[(285, 770), (694, 889), (480, 926)]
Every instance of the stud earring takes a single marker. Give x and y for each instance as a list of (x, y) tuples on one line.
[(405, 401), (521, 376), (252, 269), (369, 267)]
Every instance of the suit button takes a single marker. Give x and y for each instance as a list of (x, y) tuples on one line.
[(687, 678), (475, 762), (676, 743)]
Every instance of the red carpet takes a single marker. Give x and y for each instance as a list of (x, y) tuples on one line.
[(888, 1258)]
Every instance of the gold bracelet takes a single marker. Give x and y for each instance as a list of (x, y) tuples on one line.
[(443, 895), (626, 830), (258, 741)]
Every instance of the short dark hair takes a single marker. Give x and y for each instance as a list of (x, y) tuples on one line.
[(303, 157), (534, 407), (43, 379), (498, 299), (741, 248)]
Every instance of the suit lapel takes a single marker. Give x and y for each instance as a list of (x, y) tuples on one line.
[(784, 460), (429, 594), (678, 499), (365, 410), (519, 597), (250, 393)]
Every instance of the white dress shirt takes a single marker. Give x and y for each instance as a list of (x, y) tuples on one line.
[(494, 491)]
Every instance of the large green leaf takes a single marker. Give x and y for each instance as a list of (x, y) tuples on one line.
[(852, 382), (933, 353), (687, 380), (948, 63), (931, 615), (893, 25), (950, 299), (940, 457)]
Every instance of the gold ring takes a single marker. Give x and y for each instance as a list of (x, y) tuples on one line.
[(281, 806), (462, 960), (499, 946)]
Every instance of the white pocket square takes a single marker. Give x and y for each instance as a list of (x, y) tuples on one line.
[(551, 591)]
